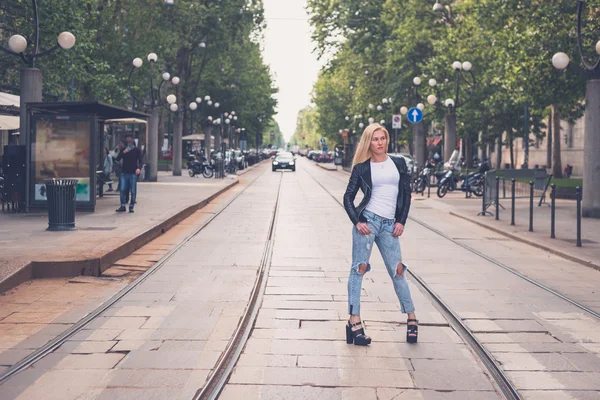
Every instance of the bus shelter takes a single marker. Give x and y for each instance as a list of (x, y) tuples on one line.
[(66, 141)]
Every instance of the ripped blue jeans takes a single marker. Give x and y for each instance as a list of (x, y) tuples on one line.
[(389, 247)]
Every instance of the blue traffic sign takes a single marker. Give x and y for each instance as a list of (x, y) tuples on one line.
[(323, 140), (415, 115)]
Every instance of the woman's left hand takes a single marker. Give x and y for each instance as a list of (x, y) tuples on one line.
[(398, 229)]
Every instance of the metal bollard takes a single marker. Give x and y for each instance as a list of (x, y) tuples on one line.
[(552, 210), (512, 202), (578, 192), (530, 206), (467, 187), (497, 199), (429, 187)]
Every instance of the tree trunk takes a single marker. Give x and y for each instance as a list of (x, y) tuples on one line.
[(511, 147), (556, 164), (469, 151), (549, 144), (499, 152)]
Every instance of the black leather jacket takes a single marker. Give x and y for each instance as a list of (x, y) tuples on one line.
[(361, 179)]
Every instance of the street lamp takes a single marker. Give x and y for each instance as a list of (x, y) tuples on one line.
[(591, 148), (136, 64), (461, 69)]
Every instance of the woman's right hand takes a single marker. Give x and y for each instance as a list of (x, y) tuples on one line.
[(363, 228)]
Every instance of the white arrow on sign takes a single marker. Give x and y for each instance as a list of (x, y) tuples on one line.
[(415, 114)]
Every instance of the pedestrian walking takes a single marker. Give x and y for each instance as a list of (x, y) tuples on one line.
[(379, 218), (107, 168), (132, 162)]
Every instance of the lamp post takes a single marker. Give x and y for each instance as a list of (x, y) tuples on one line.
[(31, 77), (419, 139), (452, 104), (591, 148), (386, 103), (153, 123)]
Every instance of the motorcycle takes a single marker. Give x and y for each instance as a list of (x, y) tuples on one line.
[(447, 183), (196, 167), (422, 180), (473, 183)]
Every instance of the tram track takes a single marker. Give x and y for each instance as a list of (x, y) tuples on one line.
[(218, 379), (233, 349)]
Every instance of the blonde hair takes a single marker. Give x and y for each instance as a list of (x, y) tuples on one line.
[(363, 151)]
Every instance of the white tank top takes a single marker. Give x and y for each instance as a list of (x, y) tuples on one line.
[(384, 193)]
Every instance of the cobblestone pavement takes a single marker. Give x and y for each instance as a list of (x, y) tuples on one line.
[(162, 340)]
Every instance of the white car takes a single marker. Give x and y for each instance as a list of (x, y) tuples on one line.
[(410, 161)]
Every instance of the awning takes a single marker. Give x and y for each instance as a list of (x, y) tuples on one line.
[(9, 123), (434, 141), (125, 121), (7, 99), (102, 111), (195, 136)]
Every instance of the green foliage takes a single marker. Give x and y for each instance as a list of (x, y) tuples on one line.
[(510, 44), (111, 33)]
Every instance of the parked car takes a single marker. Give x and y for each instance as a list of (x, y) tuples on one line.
[(410, 161), (239, 158), (167, 155), (284, 160)]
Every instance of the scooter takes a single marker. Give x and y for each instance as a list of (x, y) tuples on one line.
[(447, 183)]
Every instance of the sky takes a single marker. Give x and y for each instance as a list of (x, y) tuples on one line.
[(288, 50)]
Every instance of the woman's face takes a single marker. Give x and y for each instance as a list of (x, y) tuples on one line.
[(121, 145), (379, 143)]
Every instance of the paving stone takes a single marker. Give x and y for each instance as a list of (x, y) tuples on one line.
[(407, 394), (146, 378), (86, 347), (535, 347), (278, 392), (534, 362), (345, 362), (556, 380), (321, 377), (169, 360), (558, 395), (584, 362), (264, 360), (89, 361), (451, 380)]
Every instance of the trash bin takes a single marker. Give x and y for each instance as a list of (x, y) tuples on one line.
[(61, 204)]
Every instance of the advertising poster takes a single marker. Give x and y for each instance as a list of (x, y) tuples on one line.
[(61, 150)]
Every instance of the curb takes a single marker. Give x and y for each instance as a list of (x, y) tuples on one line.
[(523, 240), (253, 167), (326, 169), (95, 266)]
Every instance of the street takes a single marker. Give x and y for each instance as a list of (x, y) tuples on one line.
[(171, 334)]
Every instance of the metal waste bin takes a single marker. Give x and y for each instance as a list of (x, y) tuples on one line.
[(61, 204)]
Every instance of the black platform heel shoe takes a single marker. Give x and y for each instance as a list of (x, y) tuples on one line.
[(358, 336), (412, 331)]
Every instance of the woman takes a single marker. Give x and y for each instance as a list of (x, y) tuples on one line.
[(107, 168), (379, 219)]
